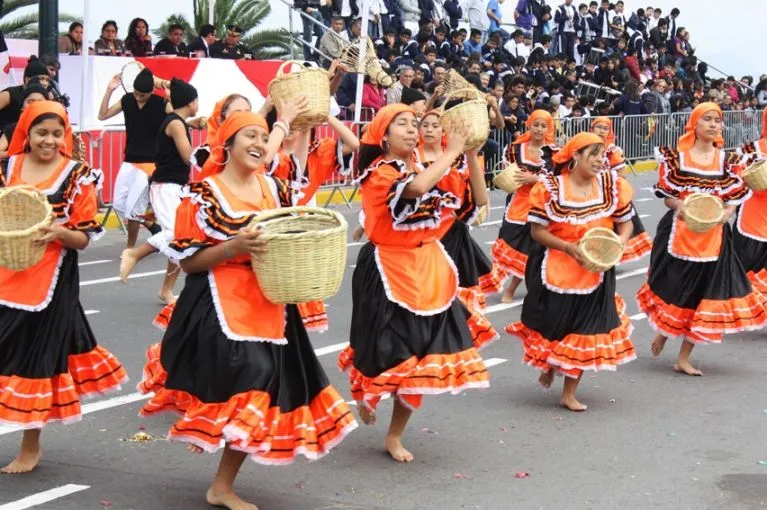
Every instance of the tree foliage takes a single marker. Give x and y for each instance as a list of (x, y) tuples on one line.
[(24, 26)]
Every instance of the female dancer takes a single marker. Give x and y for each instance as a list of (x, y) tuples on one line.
[(240, 369), (696, 288), (640, 243), (750, 232), (476, 277), (409, 335), (531, 152), (572, 319), (230, 104), (50, 356)]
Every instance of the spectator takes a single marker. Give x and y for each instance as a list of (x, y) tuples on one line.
[(659, 34), (567, 19), (230, 47), (138, 42), (202, 43), (415, 99), (108, 43), (393, 20), (373, 95), (454, 12), (495, 16), (355, 30), (173, 43), (335, 39), (411, 14), (349, 10), (514, 43), (312, 23), (474, 44), (656, 101), (71, 43), (630, 101), (406, 75), (672, 26), (478, 19)]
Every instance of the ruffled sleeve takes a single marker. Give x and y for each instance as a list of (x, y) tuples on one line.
[(539, 197), (668, 162), (624, 211), (188, 237), (83, 202), (325, 157), (511, 153), (735, 195), (616, 158)]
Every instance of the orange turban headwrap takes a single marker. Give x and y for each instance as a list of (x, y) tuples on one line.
[(764, 123), (234, 123), (610, 138), (687, 140), (575, 144), (214, 123), (31, 113), (538, 115), (377, 128)]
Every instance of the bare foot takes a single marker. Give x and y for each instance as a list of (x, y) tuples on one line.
[(546, 379), (128, 261), (396, 450), (508, 295), (572, 404), (26, 461), (228, 499), (193, 448), (658, 343), (358, 233), (684, 367), (366, 416), (167, 298)]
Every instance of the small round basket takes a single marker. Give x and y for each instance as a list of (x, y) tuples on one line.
[(23, 210), (756, 176), (702, 212), (506, 180), (472, 113), (602, 249), (311, 82), (305, 259)]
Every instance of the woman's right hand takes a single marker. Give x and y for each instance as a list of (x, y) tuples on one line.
[(247, 241), (456, 138), (289, 111), (526, 178), (115, 82), (574, 251)]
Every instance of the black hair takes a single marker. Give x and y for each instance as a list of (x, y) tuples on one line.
[(175, 26), (207, 30), (108, 23), (231, 98), (406, 31), (134, 24), (592, 150), (47, 116), (675, 12), (74, 25), (367, 154)]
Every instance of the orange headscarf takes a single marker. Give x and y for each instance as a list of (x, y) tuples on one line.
[(31, 113), (764, 123), (538, 115), (377, 128), (575, 144), (233, 123), (610, 138), (687, 140), (214, 123)]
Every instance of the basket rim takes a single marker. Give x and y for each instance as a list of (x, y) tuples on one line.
[(284, 212), (755, 167), (700, 196), (604, 233), (32, 192)]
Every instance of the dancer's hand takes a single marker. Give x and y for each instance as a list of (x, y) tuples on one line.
[(574, 251), (247, 241), (456, 138), (526, 178), (115, 82), (289, 111), (50, 233)]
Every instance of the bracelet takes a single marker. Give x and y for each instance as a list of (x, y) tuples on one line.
[(283, 126)]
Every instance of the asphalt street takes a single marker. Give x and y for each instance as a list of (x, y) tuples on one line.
[(650, 439)]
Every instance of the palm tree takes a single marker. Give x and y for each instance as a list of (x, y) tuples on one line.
[(248, 14), (24, 26)]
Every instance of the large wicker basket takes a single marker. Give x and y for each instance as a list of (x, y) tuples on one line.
[(472, 113), (601, 248), (702, 212), (305, 257), (311, 82), (23, 210), (507, 179), (454, 82), (756, 176), (481, 217), (370, 66)]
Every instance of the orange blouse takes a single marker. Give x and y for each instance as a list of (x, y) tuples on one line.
[(752, 217), (569, 217), (72, 191), (521, 155), (210, 214)]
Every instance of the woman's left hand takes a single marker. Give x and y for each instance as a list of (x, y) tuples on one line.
[(50, 233)]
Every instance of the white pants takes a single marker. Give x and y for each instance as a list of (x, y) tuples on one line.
[(130, 196), (165, 198)]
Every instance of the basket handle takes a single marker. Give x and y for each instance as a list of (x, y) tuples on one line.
[(24, 188), (476, 92), (287, 211), (281, 69)]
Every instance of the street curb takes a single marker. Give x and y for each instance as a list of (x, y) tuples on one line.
[(645, 166)]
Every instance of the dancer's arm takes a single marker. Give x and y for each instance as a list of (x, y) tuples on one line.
[(350, 142), (106, 111), (177, 131), (542, 236), (625, 230), (72, 239), (477, 179), (246, 241), (426, 180)]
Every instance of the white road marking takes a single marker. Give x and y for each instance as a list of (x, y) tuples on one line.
[(353, 266), (498, 207), (648, 189), (643, 199), (117, 278), (329, 349), (356, 244), (91, 312), (644, 216), (638, 317), (93, 262), (491, 223), (489, 242), (44, 497)]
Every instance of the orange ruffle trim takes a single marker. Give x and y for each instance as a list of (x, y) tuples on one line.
[(433, 374), (637, 247), (758, 280), (31, 403), (577, 353), (162, 320), (492, 282), (482, 331), (509, 259), (248, 421), (709, 322), (314, 316)]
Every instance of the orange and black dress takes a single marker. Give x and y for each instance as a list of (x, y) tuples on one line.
[(514, 243), (409, 335), (240, 369), (572, 319), (750, 232), (50, 358), (696, 286)]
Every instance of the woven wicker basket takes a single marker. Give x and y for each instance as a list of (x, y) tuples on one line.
[(481, 216), (350, 56), (506, 180), (454, 82), (756, 176), (310, 82), (305, 258), (472, 113), (702, 212), (23, 210), (602, 249)]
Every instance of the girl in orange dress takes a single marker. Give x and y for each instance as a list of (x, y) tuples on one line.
[(409, 335), (230, 104), (640, 243), (476, 278), (532, 153), (696, 288), (240, 369), (50, 358), (572, 319), (750, 232)]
